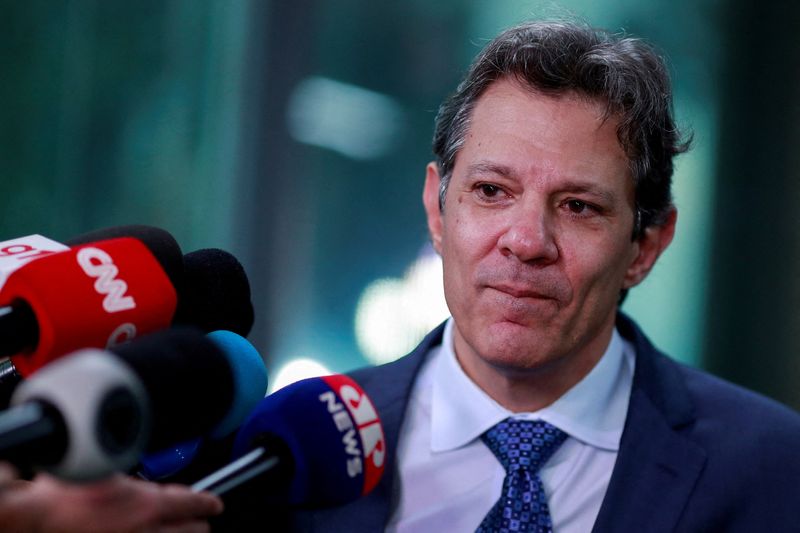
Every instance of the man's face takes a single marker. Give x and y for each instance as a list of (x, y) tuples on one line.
[(535, 234)]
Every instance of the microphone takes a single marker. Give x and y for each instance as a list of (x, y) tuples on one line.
[(211, 287), (315, 443), (250, 376), (158, 241), (93, 412), (100, 294), (215, 294), (15, 253), (38, 329)]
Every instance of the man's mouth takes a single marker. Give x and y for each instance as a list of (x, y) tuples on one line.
[(518, 291)]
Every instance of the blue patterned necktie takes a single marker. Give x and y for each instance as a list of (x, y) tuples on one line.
[(522, 447)]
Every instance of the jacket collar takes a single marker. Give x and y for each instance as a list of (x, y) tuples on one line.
[(657, 466)]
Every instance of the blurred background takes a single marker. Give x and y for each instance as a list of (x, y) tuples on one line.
[(294, 134)]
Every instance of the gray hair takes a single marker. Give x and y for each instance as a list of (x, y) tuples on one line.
[(559, 57)]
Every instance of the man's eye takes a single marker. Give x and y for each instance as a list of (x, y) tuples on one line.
[(489, 190), (577, 207)]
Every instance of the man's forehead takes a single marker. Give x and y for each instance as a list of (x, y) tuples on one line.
[(507, 98), (514, 131), (605, 110)]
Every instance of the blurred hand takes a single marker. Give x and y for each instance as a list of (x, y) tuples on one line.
[(119, 504), (8, 476)]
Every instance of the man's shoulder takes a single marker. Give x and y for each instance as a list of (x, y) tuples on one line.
[(717, 445), (718, 410), (740, 412), (750, 445)]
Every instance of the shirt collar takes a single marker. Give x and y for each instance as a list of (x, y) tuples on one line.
[(593, 411)]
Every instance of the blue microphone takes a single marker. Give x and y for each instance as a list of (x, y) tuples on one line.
[(315, 443)]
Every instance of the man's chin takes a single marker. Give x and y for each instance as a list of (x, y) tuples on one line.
[(521, 366), (520, 309), (517, 348)]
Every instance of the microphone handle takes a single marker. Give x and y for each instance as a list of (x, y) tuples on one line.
[(9, 379), (268, 465), (250, 465), (28, 430), (19, 329)]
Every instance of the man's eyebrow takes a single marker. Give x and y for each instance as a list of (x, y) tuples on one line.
[(488, 167), (579, 187)]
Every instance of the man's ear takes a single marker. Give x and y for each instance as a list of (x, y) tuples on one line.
[(653, 241), (430, 199)]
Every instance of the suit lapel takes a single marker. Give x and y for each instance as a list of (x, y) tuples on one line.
[(657, 467)]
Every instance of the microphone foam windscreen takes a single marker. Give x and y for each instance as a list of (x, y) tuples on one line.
[(160, 243), (333, 435), (216, 293), (188, 379), (249, 377)]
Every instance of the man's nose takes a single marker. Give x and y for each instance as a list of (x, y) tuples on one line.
[(530, 238)]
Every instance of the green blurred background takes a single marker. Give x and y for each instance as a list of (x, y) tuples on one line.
[(294, 134)]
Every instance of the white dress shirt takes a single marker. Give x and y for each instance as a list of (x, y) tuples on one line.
[(449, 479)]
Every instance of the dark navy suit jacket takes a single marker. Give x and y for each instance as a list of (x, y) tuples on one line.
[(697, 454)]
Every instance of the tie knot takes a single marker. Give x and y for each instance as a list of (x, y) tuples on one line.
[(523, 444)]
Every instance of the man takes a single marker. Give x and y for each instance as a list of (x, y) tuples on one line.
[(540, 406)]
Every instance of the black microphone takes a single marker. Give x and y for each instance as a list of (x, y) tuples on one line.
[(315, 443), (94, 412), (215, 293)]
